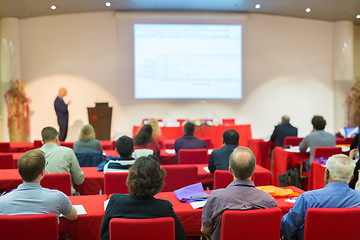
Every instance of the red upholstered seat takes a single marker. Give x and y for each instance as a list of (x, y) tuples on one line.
[(58, 181), (326, 152), (29, 227), (5, 147), (136, 229), (67, 144), (6, 161), (228, 121), (193, 156), (222, 178), (181, 121), (292, 141), (115, 182), (38, 143), (331, 223), (178, 176), (251, 224)]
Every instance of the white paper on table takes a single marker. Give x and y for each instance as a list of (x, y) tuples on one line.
[(345, 149), (210, 151), (293, 149), (80, 210), (290, 200), (170, 151), (206, 169), (198, 204), (106, 203), (267, 138)]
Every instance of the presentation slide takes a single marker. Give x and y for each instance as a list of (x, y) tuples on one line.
[(187, 61)]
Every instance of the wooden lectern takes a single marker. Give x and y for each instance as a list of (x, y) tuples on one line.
[(100, 119)]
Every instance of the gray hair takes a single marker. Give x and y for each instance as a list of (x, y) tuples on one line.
[(340, 168), (242, 162)]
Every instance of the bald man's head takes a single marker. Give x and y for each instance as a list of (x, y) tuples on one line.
[(285, 119), (62, 92), (242, 163)]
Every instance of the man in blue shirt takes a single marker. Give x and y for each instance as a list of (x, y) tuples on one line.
[(189, 141), (219, 158), (62, 113), (336, 194)]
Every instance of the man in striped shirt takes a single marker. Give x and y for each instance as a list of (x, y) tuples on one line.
[(60, 159)]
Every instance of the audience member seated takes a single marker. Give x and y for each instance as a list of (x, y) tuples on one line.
[(145, 179), (60, 159), (156, 134), (282, 130), (87, 141), (30, 197), (336, 194), (125, 148), (317, 138), (240, 194), (144, 140), (219, 159), (354, 149), (189, 141)]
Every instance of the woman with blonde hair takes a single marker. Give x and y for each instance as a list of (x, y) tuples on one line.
[(156, 132), (87, 141)]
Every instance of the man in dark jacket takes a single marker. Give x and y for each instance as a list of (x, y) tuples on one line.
[(283, 130), (61, 109)]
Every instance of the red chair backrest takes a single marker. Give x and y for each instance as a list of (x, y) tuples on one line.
[(67, 144), (32, 227), (6, 161), (5, 147), (193, 156), (292, 141), (178, 176), (38, 143), (58, 181), (228, 121), (222, 178), (332, 223), (115, 182), (326, 152), (181, 121), (135, 229), (265, 224)]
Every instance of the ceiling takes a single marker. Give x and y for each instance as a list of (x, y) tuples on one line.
[(330, 10)]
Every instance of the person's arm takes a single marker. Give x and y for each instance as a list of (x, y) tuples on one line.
[(293, 221), (72, 215), (209, 211), (65, 207), (273, 135), (60, 105), (211, 164), (304, 144), (104, 230), (207, 231), (77, 176), (179, 229), (355, 142)]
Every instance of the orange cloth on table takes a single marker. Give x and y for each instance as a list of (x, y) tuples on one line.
[(278, 192)]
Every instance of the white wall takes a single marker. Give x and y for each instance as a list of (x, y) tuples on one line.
[(287, 70)]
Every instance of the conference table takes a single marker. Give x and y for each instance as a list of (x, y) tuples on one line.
[(88, 226), (261, 150), (213, 132), (316, 176)]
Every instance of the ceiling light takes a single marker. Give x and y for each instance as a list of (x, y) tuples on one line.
[(308, 10), (358, 16), (108, 4), (257, 6), (53, 7)]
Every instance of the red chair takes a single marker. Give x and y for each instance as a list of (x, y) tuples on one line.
[(135, 229), (115, 182), (67, 144), (331, 223), (5, 147), (265, 224), (181, 121), (178, 176), (30, 227), (292, 141), (58, 181), (228, 121), (326, 152), (222, 178), (6, 161), (193, 156), (38, 143)]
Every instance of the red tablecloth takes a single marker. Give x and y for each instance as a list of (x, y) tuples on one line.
[(284, 160), (21, 146), (261, 151), (107, 145), (316, 176), (86, 226), (215, 133)]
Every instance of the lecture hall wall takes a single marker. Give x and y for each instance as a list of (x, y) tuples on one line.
[(287, 65)]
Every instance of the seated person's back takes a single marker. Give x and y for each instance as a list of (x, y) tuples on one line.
[(87, 141), (189, 141), (284, 129), (30, 197), (60, 159), (145, 179), (125, 148), (219, 158), (144, 140)]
